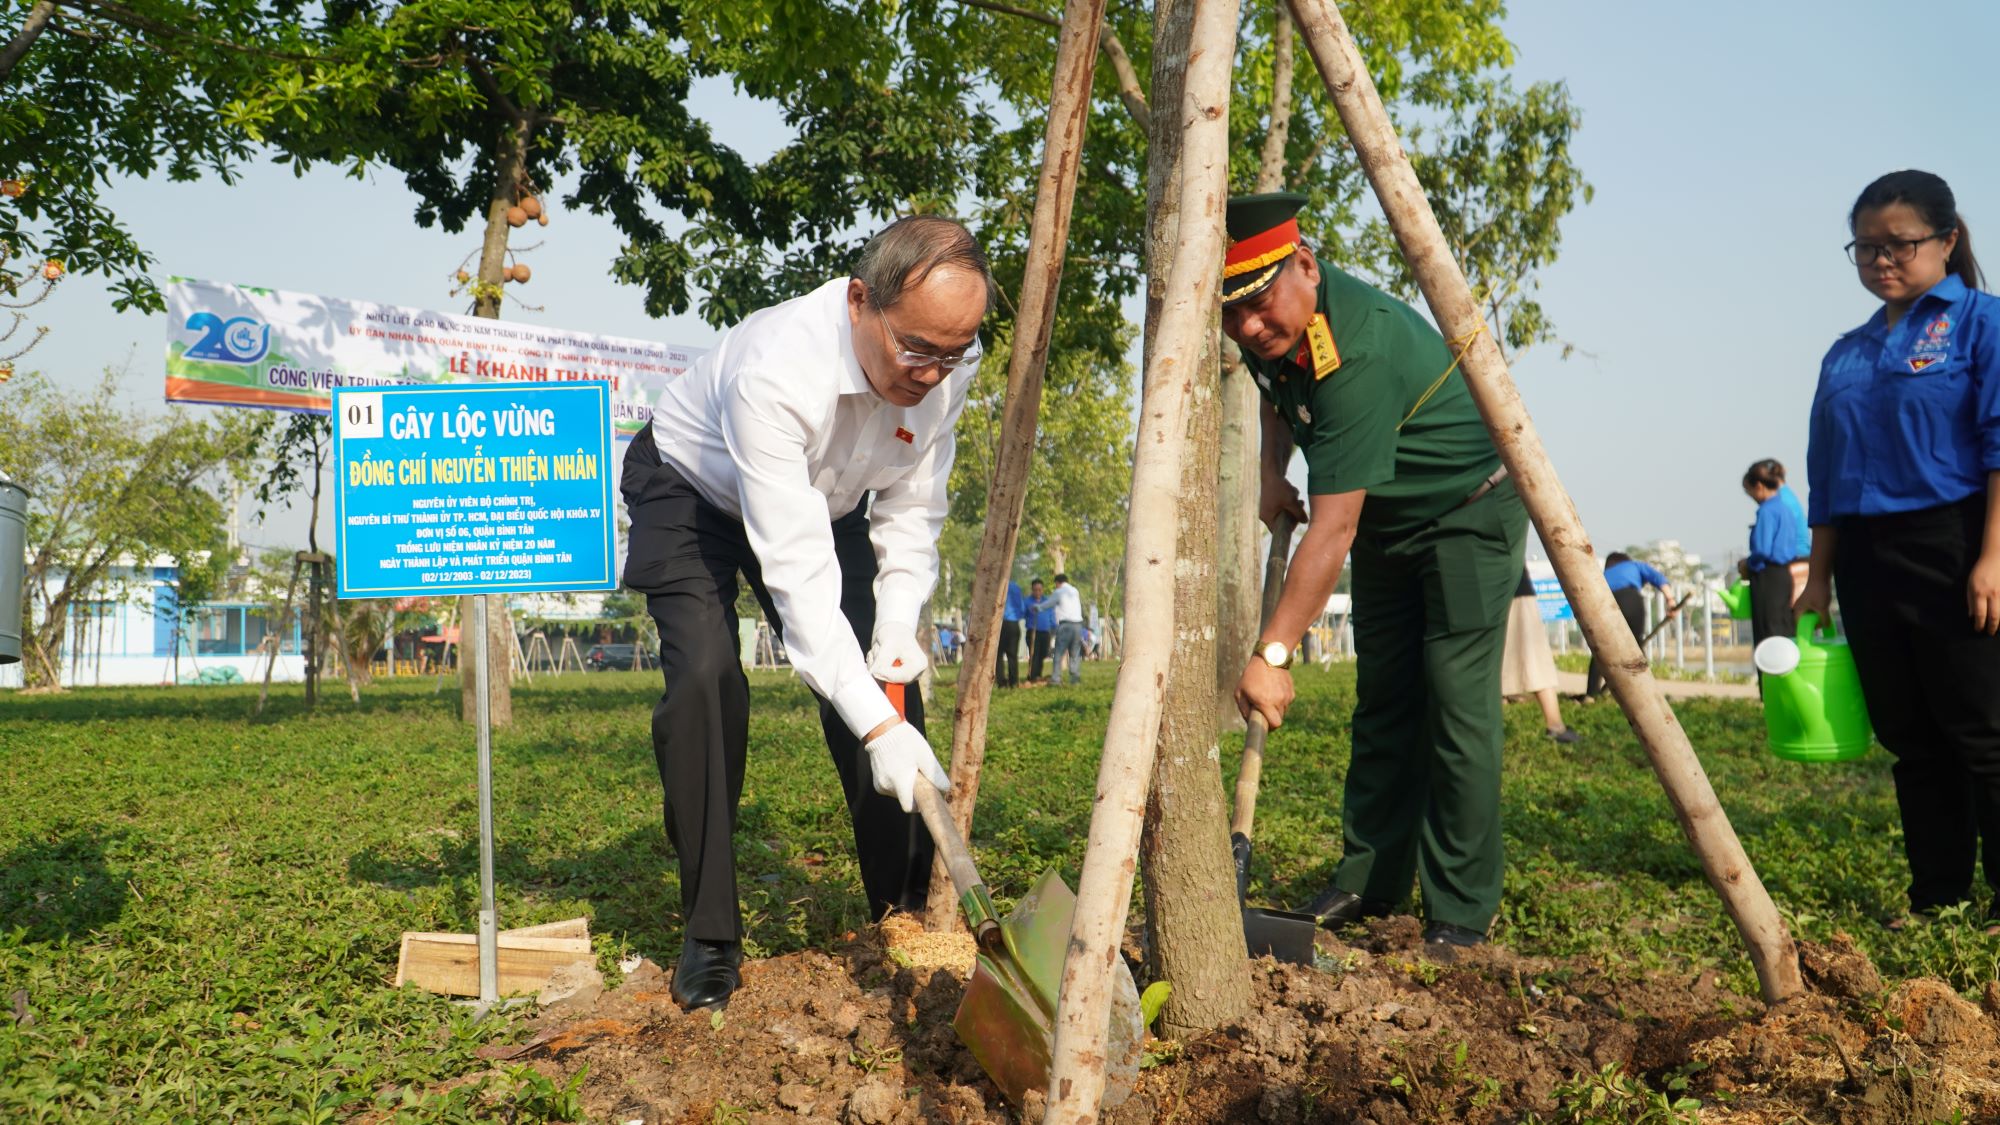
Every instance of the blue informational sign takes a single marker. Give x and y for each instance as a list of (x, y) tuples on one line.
[(1550, 600), (484, 488)]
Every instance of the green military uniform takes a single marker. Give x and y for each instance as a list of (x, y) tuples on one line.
[(1374, 403)]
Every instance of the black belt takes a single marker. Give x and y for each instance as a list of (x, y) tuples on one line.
[(1485, 486)]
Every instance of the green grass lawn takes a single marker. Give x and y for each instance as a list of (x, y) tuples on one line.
[(202, 907)]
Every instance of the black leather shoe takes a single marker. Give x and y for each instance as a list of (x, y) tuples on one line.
[(1444, 933), (1336, 908), (706, 974)]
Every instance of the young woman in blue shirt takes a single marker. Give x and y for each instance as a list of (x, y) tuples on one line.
[(1904, 471), (1777, 538)]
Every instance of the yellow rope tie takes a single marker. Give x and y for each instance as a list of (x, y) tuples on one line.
[(1459, 346)]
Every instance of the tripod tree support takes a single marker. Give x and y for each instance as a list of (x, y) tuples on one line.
[(1048, 236), (1451, 303)]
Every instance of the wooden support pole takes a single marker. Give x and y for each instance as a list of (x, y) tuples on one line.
[(1006, 494), (1485, 368), (1187, 339)]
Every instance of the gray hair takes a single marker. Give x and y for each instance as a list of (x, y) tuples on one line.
[(907, 250)]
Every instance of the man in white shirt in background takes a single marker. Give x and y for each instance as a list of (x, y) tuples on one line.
[(761, 461), (1069, 630)]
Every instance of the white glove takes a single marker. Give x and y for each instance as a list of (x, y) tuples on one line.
[(896, 757), (897, 658)]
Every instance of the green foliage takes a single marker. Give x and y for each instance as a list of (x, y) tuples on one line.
[(1154, 999), (109, 487), (1074, 516), (1612, 1097), (128, 89)]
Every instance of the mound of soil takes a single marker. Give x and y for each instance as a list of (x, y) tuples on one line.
[(1378, 1031)]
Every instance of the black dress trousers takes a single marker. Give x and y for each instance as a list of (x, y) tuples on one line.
[(686, 556), (1932, 685), (1007, 659), (1771, 603)]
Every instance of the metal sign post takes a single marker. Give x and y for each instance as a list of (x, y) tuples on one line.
[(474, 489), (489, 918)]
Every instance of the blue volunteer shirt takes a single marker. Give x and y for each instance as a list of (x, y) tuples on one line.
[(1632, 574), (1908, 418), (1042, 615), (1804, 545), (1780, 534), (1017, 603)]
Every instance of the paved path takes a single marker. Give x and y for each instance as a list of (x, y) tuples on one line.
[(1571, 683)]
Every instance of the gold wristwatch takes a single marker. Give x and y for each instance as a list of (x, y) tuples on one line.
[(1277, 654)]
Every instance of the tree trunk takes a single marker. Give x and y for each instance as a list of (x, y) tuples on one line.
[(1238, 488), (277, 641), (1185, 345), (1241, 486), (512, 162), (1194, 929), (1048, 236), (1451, 302)]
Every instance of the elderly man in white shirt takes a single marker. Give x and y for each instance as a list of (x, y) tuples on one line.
[(761, 462)]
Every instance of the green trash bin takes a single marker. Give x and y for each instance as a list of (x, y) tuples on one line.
[(13, 556)]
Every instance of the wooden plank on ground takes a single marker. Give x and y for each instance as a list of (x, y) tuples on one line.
[(448, 964)]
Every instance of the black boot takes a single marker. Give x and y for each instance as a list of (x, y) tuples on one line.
[(706, 974), (1336, 908), (1445, 933)]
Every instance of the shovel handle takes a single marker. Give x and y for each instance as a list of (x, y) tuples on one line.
[(1274, 567), (1249, 777), (1252, 774), (957, 858)]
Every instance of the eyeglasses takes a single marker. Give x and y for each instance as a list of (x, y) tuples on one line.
[(967, 357), (1897, 250)]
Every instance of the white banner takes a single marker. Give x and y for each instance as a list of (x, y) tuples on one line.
[(235, 345)]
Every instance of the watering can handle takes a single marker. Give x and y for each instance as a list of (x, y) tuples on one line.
[(957, 858), (1808, 623)]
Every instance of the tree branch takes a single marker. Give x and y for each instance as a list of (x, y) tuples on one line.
[(1129, 90), (494, 94), (31, 30), (1271, 162)]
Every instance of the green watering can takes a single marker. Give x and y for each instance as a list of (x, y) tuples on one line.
[(1736, 599), (1813, 710)]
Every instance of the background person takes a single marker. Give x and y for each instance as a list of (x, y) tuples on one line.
[(1628, 579), (1068, 606), (760, 462), (1041, 629), (1529, 668), (1903, 465), (1007, 659), (1778, 538)]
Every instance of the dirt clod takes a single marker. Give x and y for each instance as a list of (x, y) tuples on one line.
[(874, 1102)]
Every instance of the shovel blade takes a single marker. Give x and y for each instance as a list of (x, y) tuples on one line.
[(1283, 934), (1007, 1017)]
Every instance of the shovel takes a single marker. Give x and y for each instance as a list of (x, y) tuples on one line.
[(1007, 1016), (1284, 934), (1648, 638)]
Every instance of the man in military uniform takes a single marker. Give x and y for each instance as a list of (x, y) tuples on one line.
[(1400, 472)]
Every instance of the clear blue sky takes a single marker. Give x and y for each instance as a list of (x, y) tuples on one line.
[(1725, 142)]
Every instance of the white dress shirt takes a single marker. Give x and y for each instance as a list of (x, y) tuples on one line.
[(1069, 604), (779, 427)]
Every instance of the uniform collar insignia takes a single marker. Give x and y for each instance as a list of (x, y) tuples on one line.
[(1319, 344)]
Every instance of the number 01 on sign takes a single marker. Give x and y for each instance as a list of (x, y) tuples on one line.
[(480, 488)]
